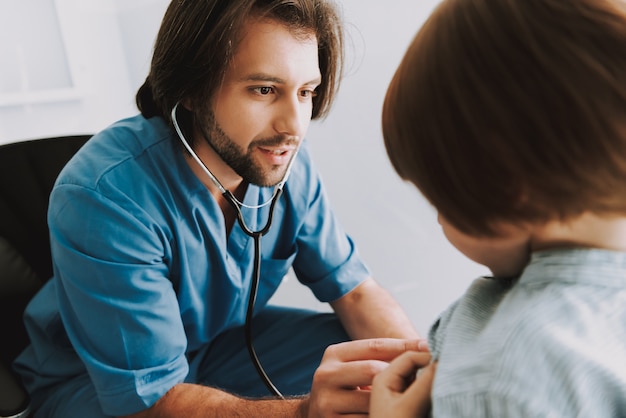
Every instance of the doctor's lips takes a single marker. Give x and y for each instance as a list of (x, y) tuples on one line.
[(277, 156), (277, 151)]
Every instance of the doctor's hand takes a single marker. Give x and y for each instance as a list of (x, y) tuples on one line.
[(403, 389), (341, 384)]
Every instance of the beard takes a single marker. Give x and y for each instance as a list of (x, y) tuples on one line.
[(240, 160)]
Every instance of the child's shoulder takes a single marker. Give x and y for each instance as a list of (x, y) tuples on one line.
[(550, 339)]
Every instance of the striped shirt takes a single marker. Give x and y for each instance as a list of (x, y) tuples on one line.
[(550, 344)]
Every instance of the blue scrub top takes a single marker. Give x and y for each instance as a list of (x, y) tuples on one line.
[(144, 273)]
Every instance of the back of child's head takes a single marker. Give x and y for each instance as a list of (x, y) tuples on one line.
[(513, 110)]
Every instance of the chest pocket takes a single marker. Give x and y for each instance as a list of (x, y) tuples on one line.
[(273, 270)]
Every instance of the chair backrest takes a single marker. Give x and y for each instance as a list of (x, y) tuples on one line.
[(28, 170)]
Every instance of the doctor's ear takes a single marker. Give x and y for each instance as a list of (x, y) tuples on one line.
[(187, 104)]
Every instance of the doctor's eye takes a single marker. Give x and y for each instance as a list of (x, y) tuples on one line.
[(263, 90), (308, 94)]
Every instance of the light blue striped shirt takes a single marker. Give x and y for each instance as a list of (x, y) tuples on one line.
[(551, 344)]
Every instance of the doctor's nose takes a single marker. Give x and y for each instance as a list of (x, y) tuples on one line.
[(292, 118)]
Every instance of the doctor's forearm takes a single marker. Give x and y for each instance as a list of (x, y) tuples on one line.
[(369, 311), (190, 401)]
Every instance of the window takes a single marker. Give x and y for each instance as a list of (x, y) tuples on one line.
[(34, 64)]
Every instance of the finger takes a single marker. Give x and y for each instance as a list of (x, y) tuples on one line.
[(385, 349), (351, 374), (420, 390), (401, 371)]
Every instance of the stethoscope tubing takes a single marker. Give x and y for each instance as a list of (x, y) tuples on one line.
[(214, 179), (256, 275), (255, 235)]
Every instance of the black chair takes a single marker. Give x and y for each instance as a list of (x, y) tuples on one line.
[(28, 170)]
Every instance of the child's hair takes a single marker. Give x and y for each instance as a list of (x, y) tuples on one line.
[(513, 110)]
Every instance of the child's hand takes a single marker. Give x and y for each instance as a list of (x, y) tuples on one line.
[(342, 382), (398, 393)]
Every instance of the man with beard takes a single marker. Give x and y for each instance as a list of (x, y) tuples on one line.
[(146, 313)]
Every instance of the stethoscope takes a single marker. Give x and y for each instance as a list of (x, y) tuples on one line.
[(255, 235)]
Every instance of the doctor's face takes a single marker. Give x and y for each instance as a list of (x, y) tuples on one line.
[(261, 112)]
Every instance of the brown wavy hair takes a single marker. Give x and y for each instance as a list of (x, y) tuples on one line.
[(513, 110), (198, 38)]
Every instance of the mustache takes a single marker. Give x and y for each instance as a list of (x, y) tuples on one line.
[(275, 141)]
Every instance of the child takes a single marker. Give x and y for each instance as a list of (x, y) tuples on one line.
[(509, 116)]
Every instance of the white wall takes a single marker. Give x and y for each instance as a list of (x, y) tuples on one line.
[(106, 46), (101, 57), (395, 228)]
